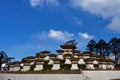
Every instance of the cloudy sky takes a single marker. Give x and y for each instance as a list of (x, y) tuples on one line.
[(30, 26)]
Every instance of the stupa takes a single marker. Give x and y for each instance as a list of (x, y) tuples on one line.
[(68, 58)]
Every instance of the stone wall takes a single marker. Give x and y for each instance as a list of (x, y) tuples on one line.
[(87, 75)]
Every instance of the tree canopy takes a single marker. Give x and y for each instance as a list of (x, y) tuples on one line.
[(106, 49)]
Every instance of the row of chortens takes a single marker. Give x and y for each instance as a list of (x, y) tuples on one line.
[(68, 58)]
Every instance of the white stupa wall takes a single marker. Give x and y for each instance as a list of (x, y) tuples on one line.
[(32, 63), (26, 68), (74, 67), (38, 67), (110, 66), (60, 56), (46, 58), (56, 67), (90, 66), (16, 68), (11, 69), (102, 66), (85, 57), (67, 53), (95, 62), (67, 61), (50, 62), (75, 56), (81, 61), (81, 57)]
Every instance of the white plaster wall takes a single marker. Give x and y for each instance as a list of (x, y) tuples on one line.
[(26, 68), (95, 62), (16, 68), (81, 61), (32, 63), (102, 75), (87, 75), (56, 67), (40, 76), (60, 56), (38, 67), (46, 58), (50, 61), (67, 53), (11, 69), (90, 66), (75, 56), (85, 57), (102, 66), (67, 61), (110, 66), (74, 67)]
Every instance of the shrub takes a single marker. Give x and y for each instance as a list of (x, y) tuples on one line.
[(32, 67), (82, 66)]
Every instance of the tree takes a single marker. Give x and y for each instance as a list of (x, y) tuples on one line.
[(91, 45), (0, 61), (119, 51), (101, 47), (114, 44), (4, 58), (108, 51)]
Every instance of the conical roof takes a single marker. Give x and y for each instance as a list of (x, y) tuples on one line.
[(28, 58), (60, 50)]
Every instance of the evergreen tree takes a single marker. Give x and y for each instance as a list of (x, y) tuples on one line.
[(114, 44), (91, 45), (101, 47)]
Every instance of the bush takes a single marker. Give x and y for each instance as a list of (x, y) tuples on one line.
[(117, 67), (32, 67), (46, 66), (96, 66), (65, 66), (82, 66)]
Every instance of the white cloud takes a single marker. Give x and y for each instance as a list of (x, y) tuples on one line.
[(115, 25), (46, 40), (52, 34), (86, 35), (59, 35), (105, 8), (36, 3)]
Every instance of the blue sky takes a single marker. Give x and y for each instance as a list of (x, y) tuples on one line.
[(30, 26)]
